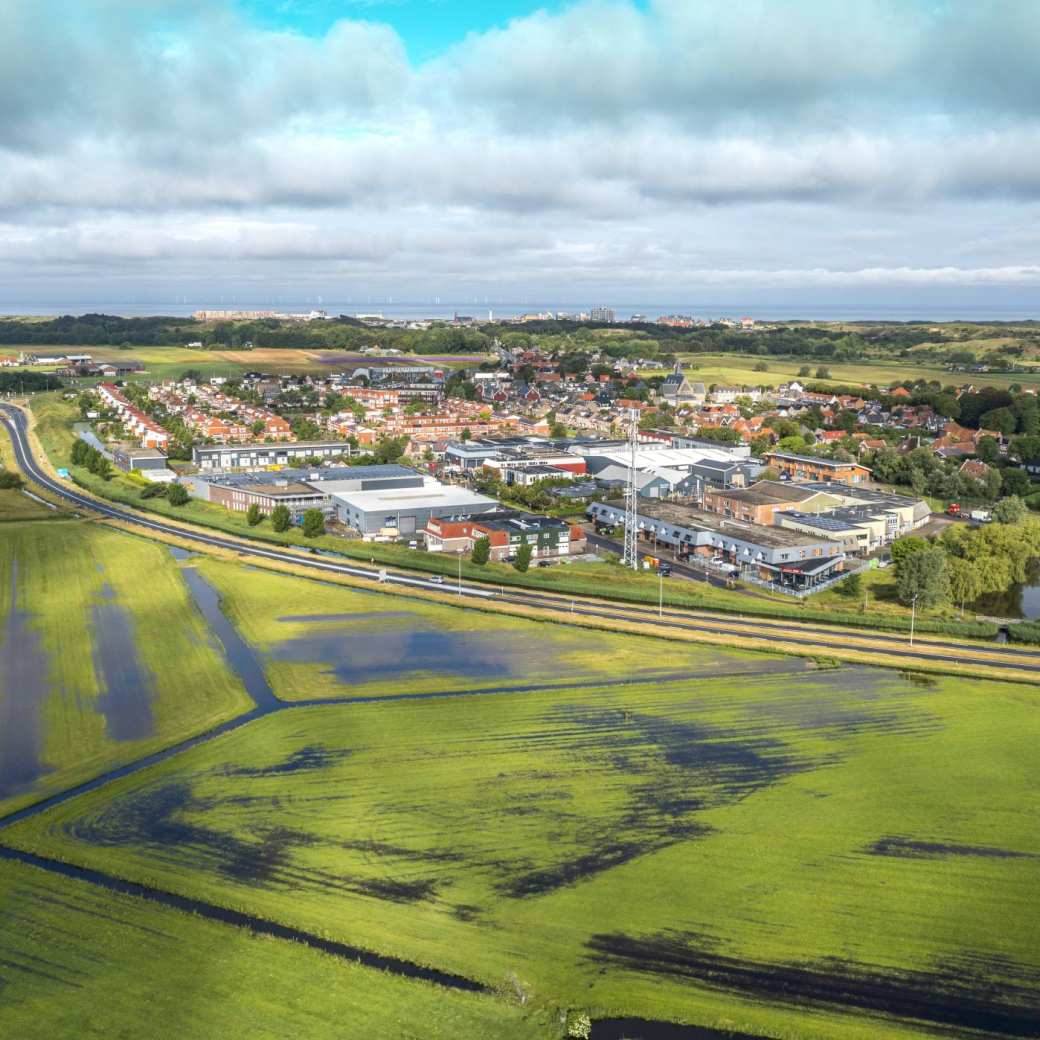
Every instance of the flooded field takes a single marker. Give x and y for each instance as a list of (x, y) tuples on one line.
[(125, 687), (79, 960), (24, 686), (655, 832), (727, 852), (99, 665), (321, 641)]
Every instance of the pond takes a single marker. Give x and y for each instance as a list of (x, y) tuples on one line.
[(1019, 601)]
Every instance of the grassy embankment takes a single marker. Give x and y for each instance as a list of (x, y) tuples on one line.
[(324, 641), (60, 576), (53, 419), (84, 963), (16, 508), (805, 842)]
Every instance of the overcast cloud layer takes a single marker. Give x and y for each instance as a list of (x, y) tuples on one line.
[(680, 150)]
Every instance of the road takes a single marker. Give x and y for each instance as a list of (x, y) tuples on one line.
[(928, 652), (685, 570)]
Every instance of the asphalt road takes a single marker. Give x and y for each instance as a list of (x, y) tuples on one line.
[(813, 637)]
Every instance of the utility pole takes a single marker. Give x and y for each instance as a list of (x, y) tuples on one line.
[(660, 591), (460, 574), (631, 557), (913, 617)]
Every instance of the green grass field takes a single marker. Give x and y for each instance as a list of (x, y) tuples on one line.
[(103, 657), (778, 855), (327, 641), (172, 362), (739, 370), (81, 962), (14, 506)]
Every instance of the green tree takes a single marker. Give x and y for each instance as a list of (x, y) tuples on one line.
[(306, 429), (988, 450), (313, 523), (389, 449), (257, 428), (100, 466), (904, 547), (177, 495), (1011, 510), (280, 518), (761, 366), (523, 556), (852, 586), (253, 515), (1026, 448), (1003, 420), (965, 580), (922, 577), (823, 372), (1015, 482), (481, 551)]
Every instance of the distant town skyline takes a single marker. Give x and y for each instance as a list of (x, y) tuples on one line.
[(881, 157)]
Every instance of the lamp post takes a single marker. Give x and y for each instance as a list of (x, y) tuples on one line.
[(913, 617), (660, 591), (460, 574)]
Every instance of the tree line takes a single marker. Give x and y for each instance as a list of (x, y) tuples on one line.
[(964, 562)]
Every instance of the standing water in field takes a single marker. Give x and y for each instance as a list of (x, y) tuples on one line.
[(24, 668), (125, 686), (237, 652)]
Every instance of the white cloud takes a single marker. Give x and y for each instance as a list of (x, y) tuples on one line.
[(751, 144)]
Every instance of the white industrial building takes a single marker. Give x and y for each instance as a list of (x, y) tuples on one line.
[(399, 512)]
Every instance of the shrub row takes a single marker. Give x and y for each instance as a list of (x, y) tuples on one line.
[(1024, 632)]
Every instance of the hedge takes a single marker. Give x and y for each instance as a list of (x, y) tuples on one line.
[(1024, 632)]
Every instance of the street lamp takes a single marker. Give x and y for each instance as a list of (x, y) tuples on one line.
[(660, 591), (913, 617), (460, 574)]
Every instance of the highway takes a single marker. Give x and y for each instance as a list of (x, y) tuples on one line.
[(929, 652)]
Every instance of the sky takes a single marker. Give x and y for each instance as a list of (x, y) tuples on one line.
[(756, 152)]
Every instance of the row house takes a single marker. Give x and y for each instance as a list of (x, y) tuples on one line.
[(148, 432)]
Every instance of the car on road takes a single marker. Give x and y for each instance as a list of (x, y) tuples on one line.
[(437, 579)]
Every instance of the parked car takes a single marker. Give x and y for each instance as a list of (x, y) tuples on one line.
[(437, 579), (982, 516), (953, 509)]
